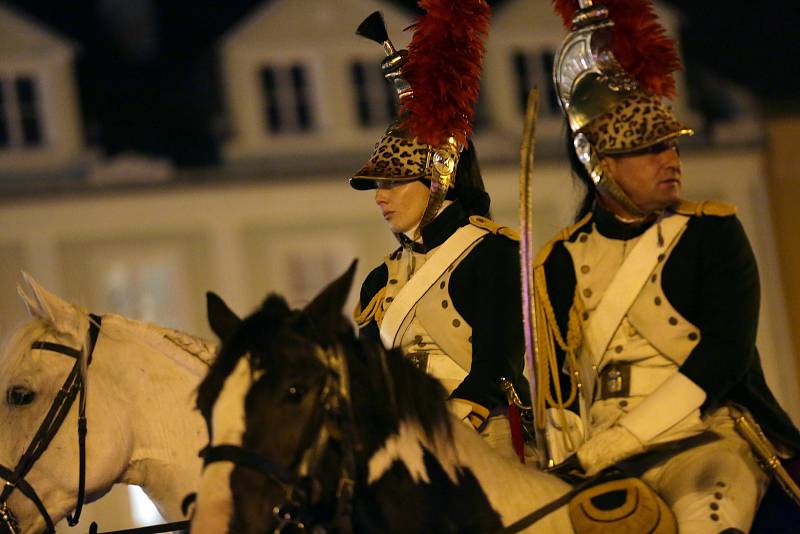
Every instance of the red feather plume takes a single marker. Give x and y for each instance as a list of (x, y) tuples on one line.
[(444, 68), (639, 42)]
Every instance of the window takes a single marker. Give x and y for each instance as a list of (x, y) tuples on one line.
[(142, 282), (376, 103), (20, 118), (287, 102), (534, 69)]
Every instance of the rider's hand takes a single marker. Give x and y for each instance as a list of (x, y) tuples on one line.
[(608, 447)]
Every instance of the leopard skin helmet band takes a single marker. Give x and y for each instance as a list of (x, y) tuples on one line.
[(399, 158)]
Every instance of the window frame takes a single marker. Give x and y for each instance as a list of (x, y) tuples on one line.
[(283, 97), (374, 101), (13, 115)]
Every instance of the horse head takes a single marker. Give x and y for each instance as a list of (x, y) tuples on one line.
[(299, 410), (50, 389), (263, 395), (38, 362)]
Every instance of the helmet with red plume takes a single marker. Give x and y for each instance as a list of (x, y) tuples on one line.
[(437, 81), (611, 72)]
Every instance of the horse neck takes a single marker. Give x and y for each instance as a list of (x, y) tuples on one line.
[(507, 487), (155, 380), (512, 489)]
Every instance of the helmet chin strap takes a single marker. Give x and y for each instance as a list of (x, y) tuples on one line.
[(603, 180), (442, 161)]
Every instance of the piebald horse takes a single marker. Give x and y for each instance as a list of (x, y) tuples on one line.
[(138, 383), (313, 428)]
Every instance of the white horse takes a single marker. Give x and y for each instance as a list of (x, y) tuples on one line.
[(140, 384)]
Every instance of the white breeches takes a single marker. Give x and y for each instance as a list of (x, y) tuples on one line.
[(713, 486), (497, 434)]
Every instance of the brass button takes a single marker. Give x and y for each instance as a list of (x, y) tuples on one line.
[(587, 293), (583, 238), (692, 336), (444, 304), (718, 496), (585, 316), (714, 517), (623, 404), (618, 349), (456, 323), (721, 484), (393, 281), (661, 257), (585, 269), (654, 278), (657, 300), (673, 321), (442, 284), (389, 299), (714, 506)]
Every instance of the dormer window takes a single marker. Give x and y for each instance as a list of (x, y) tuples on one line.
[(287, 99), (534, 69), (375, 100), (20, 117)]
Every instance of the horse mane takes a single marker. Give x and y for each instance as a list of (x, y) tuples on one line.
[(258, 329), (414, 396), (201, 348), (17, 344), (161, 339)]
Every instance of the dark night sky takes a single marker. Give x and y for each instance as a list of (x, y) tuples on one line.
[(168, 68), (735, 39)]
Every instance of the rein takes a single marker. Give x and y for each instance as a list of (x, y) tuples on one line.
[(72, 388), (337, 423)]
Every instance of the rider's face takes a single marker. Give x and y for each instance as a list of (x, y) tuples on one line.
[(402, 203), (651, 179)]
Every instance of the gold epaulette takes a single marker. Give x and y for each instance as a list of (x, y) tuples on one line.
[(494, 227), (563, 235), (706, 207), (374, 310)]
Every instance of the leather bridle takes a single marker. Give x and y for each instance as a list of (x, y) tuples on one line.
[(295, 513), (73, 387)]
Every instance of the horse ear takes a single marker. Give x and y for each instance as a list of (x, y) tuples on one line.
[(326, 308), (47, 306), (220, 317)]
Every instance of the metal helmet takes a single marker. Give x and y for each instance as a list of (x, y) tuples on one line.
[(610, 74)]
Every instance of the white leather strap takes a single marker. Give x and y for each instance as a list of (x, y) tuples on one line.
[(665, 407), (628, 282), (432, 270)]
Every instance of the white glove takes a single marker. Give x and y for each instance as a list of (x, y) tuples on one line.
[(608, 447)]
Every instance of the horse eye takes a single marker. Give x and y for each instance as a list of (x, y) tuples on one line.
[(19, 396), (296, 393)]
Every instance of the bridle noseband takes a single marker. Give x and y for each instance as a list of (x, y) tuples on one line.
[(72, 388), (295, 511)]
